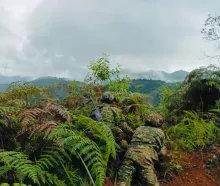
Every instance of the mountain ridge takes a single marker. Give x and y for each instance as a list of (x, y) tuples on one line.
[(175, 76), (162, 76), (172, 77)]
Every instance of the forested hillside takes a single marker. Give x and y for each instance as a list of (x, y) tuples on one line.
[(150, 87)]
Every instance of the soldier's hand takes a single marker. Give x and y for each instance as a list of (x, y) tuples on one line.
[(163, 152)]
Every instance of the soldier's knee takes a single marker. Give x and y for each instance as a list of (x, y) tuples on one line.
[(149, 177), (125, 174), (126, 171)]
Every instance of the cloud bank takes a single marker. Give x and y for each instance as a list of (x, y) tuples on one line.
[(60, 37)]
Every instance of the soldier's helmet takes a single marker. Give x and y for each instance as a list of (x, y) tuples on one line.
[(134, 98), (108, 97), (154, 120)]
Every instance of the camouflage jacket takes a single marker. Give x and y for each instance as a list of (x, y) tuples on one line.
[(149, 136), (113, 117)]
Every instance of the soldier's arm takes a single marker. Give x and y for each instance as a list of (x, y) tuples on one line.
[(163, 150), (126, 128)]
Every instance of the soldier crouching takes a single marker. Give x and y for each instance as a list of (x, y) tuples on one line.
[(146, 146)]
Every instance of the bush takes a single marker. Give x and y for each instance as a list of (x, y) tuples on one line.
[(192, 133)]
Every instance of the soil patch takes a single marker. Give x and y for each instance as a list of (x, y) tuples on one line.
[(108, 182), (193, 170)]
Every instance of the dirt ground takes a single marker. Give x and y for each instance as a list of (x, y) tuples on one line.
[(195, 171)]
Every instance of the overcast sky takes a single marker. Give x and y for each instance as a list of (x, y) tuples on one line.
[(60, 37)]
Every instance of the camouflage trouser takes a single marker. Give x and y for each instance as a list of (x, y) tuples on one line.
[(140, 161)]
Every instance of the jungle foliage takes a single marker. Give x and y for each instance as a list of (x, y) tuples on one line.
[(48, 141)]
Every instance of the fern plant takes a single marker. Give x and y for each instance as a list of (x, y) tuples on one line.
[(24, 167), (43, 117), (43, 144), (93, 156), (68, 142)]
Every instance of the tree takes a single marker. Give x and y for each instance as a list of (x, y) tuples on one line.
[(211, 32), (102, 75), (100, 71)]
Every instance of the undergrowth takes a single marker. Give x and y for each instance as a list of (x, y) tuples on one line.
[(47, 141), (192, 133)]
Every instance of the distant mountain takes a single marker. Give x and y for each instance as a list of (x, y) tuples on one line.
[(179, 75), (151, 88), (10, 79), (151, 81), (3, 87), (6, 80), (176, 76), (43, 81)]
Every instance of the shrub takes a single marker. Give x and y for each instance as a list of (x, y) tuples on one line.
[(192, 133)]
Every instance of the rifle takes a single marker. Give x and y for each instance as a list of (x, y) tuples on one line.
[(96, 114)]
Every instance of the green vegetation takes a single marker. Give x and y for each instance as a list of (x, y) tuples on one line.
[(145, 86), (193, 133), (45, 140)]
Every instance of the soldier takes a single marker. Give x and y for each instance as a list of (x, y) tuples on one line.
[(113, 117), (146, 146)]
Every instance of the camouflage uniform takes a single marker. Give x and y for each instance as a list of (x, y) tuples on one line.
[(113, 117), (146, 145), (108, 117)]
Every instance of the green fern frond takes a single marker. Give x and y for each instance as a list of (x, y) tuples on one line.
[(99, 131), (215, 111), (16, 103), (8, 110), (77, 143), (3, 170), (25, 167), (72, 175), (4, 123), (52, 155)]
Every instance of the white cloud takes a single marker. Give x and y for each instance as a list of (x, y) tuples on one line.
[(60, 37)]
